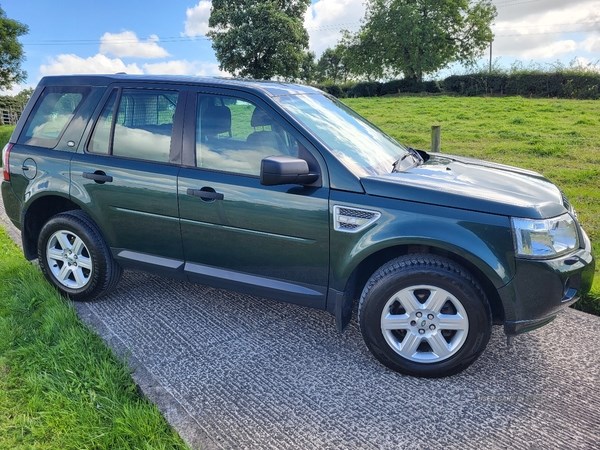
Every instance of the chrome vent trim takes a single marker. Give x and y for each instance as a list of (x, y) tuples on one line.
[(353, 220)]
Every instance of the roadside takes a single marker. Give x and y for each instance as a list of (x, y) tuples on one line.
[(60, 385), (233, 371)]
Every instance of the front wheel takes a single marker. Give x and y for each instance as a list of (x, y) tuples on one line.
[(424, 315), (74, 257)]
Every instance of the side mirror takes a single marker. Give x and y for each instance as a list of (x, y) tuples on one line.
[(276, 170)]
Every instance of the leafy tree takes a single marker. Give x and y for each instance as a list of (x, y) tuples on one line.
[(259, 38), (332, 65), (308, 68), (11, 51), (23, 97), (416, 37)]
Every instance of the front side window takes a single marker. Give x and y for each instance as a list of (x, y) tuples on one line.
[(52, 113), (138, 123), (234, 135)]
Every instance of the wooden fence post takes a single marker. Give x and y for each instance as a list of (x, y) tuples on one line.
[(436, 138)]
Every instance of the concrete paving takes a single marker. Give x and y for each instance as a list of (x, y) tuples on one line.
[(238, 372)]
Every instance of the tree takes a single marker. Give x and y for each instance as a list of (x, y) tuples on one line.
[(308, 68), (259, 38), (11, 51), (417, 37), (332, 64)]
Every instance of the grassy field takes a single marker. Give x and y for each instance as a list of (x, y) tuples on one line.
[(60, 387), (558, 138)]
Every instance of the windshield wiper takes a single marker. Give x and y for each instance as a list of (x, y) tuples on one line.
[(417, 158)]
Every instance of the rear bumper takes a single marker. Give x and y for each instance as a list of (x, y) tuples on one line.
[(541, 289), (12, 207)]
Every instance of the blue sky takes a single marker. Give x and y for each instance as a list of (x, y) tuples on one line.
[(153, 36)]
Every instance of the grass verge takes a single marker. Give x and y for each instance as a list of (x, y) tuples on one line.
[(60, 386)]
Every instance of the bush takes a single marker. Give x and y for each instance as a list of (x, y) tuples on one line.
[(409, 86), (365, 89), (527, 84), (332, 89), (532, 83)]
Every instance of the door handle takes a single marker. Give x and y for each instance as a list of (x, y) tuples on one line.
[(98, 176), (206, 194)]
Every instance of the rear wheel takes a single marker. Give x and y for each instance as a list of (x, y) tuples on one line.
[(74, 257), (424, 315)]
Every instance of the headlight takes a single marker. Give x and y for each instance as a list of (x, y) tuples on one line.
[(545, 238)]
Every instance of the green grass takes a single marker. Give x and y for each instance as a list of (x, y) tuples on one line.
[(5, 132), (60, 386), (556, 137)]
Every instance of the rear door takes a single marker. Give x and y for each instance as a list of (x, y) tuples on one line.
[(127, 175), (238, 234)]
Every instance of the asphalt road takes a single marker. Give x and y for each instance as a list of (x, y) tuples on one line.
[(238, 372)]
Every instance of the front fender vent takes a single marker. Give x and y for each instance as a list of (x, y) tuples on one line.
[(353, 220)]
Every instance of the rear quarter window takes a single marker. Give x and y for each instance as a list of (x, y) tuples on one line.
[(51, 115)]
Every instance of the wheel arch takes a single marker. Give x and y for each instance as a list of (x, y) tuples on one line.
[(367, 266), (37, 213)]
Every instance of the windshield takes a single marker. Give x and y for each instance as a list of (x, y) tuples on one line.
[(358, 144)]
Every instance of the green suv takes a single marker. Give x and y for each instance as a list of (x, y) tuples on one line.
[(279, 190)]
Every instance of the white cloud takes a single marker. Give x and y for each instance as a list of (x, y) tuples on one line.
[(196, 19), (325, 19), (174, 67), (185, 67), (127, 44), (592, 44), (531, 31), (550, 51), (72, 64), (209, 69), (16, 89)]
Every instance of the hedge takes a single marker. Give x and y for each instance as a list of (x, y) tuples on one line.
[(561, 85), (534, 84)]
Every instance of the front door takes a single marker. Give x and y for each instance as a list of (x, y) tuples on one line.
[(237, 233)]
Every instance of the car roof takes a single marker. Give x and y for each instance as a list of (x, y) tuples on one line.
[(270, 88)]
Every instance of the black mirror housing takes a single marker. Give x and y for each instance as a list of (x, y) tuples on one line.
[(276, 170)]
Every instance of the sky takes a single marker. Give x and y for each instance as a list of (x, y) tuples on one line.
[(168, 37)]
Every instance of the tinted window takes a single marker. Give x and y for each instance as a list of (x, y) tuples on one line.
[(100, 142), (52, 113), (141, 128), (234, 135)]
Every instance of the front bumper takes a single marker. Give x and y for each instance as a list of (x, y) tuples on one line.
[(542, 288)]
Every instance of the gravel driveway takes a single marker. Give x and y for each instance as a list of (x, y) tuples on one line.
[(235, 372)]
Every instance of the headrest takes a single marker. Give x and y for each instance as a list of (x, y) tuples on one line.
[(216, 120), (260, 118)]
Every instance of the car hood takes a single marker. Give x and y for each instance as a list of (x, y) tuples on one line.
[(471, 184)]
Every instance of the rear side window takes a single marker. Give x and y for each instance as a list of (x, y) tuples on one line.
[(138, 123), (51, 115)]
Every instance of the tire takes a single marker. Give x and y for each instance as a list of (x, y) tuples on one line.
[(424, 315), (74, 257)]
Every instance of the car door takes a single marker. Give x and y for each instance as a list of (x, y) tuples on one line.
[(127, 175), (237, 233)]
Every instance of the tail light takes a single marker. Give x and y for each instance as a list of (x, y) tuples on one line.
[(5, 166)]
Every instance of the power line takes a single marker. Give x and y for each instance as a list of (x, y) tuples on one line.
[(149, 40)]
